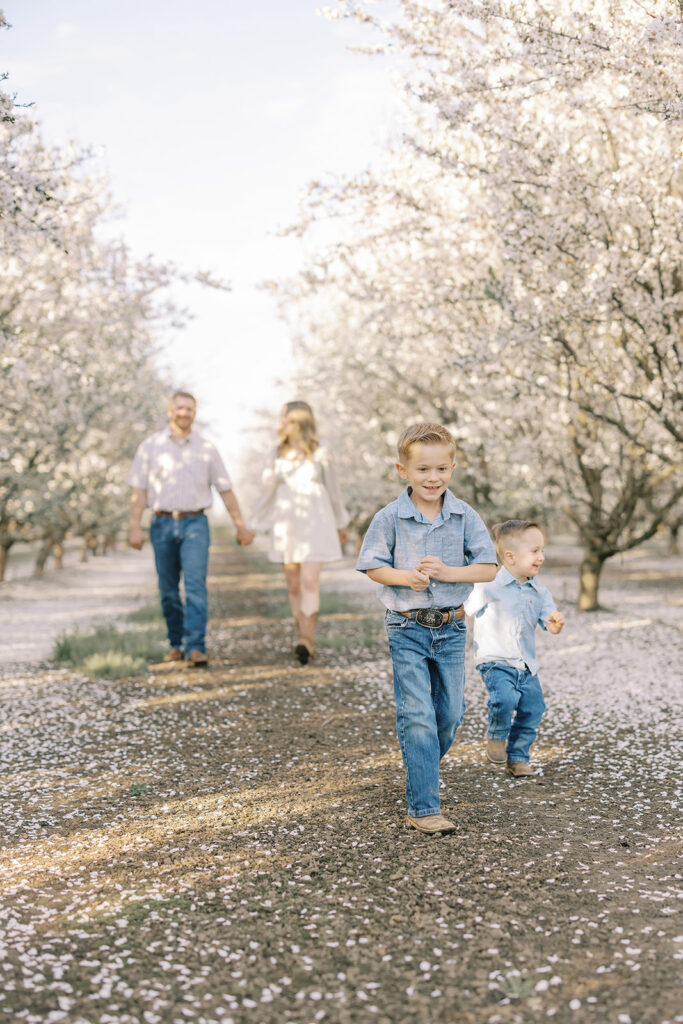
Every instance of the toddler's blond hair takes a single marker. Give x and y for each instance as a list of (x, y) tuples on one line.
[(511, 528)]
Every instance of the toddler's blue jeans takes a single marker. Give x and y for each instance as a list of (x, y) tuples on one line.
[(515, 706), (429, 689), (182, 546)]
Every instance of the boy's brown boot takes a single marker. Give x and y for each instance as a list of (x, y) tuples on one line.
[(520, 769), (432, 824), (495, 751)]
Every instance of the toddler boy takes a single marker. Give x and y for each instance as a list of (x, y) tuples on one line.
[(506, 613), (425, 550)]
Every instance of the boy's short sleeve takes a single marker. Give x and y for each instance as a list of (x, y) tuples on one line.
[(477, 599), (547, 608), (477, 543), (377, 549)]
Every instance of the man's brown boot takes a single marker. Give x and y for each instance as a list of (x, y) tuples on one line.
[(520, 769), (495, 751), (197, 659), (175, 654)]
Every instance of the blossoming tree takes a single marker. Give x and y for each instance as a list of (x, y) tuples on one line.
[(515, 267)]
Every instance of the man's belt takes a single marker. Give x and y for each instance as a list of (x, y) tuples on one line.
[(433, 618), (175, 514)]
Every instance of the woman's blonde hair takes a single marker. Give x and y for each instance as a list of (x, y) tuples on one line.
[(300, 430)]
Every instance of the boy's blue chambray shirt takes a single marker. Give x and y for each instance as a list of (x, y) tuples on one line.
[(399, 536), (506, 613)]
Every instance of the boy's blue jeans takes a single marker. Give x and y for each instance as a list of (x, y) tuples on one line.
[(515, 692), (182, 546), (429, 689)]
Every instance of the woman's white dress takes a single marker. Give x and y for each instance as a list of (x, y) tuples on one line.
[(301, 507)]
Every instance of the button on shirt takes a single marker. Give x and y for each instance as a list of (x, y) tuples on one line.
[(178, 472), (399, 536), (506, 613)]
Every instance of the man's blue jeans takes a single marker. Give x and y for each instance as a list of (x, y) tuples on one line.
[(182, 546), (429, 689), (515, 692)]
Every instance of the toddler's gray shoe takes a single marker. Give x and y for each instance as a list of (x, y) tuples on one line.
[(520, 769)]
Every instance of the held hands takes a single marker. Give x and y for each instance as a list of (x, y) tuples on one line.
[(555, 622), (343, 536), (244, 535), (419, 580)]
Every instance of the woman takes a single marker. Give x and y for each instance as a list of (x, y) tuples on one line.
[(302, 508)]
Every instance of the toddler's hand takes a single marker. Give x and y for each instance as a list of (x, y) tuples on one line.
[(418, 580), (555, 622), (433, 566)]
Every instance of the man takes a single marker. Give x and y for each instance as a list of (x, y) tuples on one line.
[(172, 473)]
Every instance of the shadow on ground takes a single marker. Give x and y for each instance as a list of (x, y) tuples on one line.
[(230, 844)]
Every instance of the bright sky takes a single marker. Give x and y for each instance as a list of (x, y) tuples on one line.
[(211, 117)]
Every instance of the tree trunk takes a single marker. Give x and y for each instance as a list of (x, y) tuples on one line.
[(41, 557), (4, 552), (674, 546), (58, 552), (89, 546), (589, 580)]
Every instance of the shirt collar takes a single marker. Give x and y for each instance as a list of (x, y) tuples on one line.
[(178, 440), (505, 577), (451, 505)]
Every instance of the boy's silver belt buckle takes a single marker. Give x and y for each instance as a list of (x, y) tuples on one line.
[(431, 617)]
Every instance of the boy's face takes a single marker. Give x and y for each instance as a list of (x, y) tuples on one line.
[(524, 555), (428, 469)]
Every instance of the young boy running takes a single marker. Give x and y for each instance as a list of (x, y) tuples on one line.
[(506, 613), (425, 550)]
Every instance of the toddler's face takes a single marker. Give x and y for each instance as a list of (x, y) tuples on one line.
[(525, 554), (428, 470)]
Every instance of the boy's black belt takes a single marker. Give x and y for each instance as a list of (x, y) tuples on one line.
[(433, 618)]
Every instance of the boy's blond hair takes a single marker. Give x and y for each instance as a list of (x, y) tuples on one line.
[(503, 532), (424, 433)]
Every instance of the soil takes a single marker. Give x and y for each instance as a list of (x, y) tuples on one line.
[(230, 844)]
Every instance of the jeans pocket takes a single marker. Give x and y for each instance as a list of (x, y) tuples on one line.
[(395, 622)]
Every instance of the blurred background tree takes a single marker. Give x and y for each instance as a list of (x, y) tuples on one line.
[(514, 268)]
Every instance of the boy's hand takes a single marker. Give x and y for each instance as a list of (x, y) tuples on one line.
[(418, 580), (555, 622), (434, 567)]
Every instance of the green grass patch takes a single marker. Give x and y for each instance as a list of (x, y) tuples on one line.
[(146, 613), (110, 653)]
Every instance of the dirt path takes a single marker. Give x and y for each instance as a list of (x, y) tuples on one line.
[(229, 845)]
